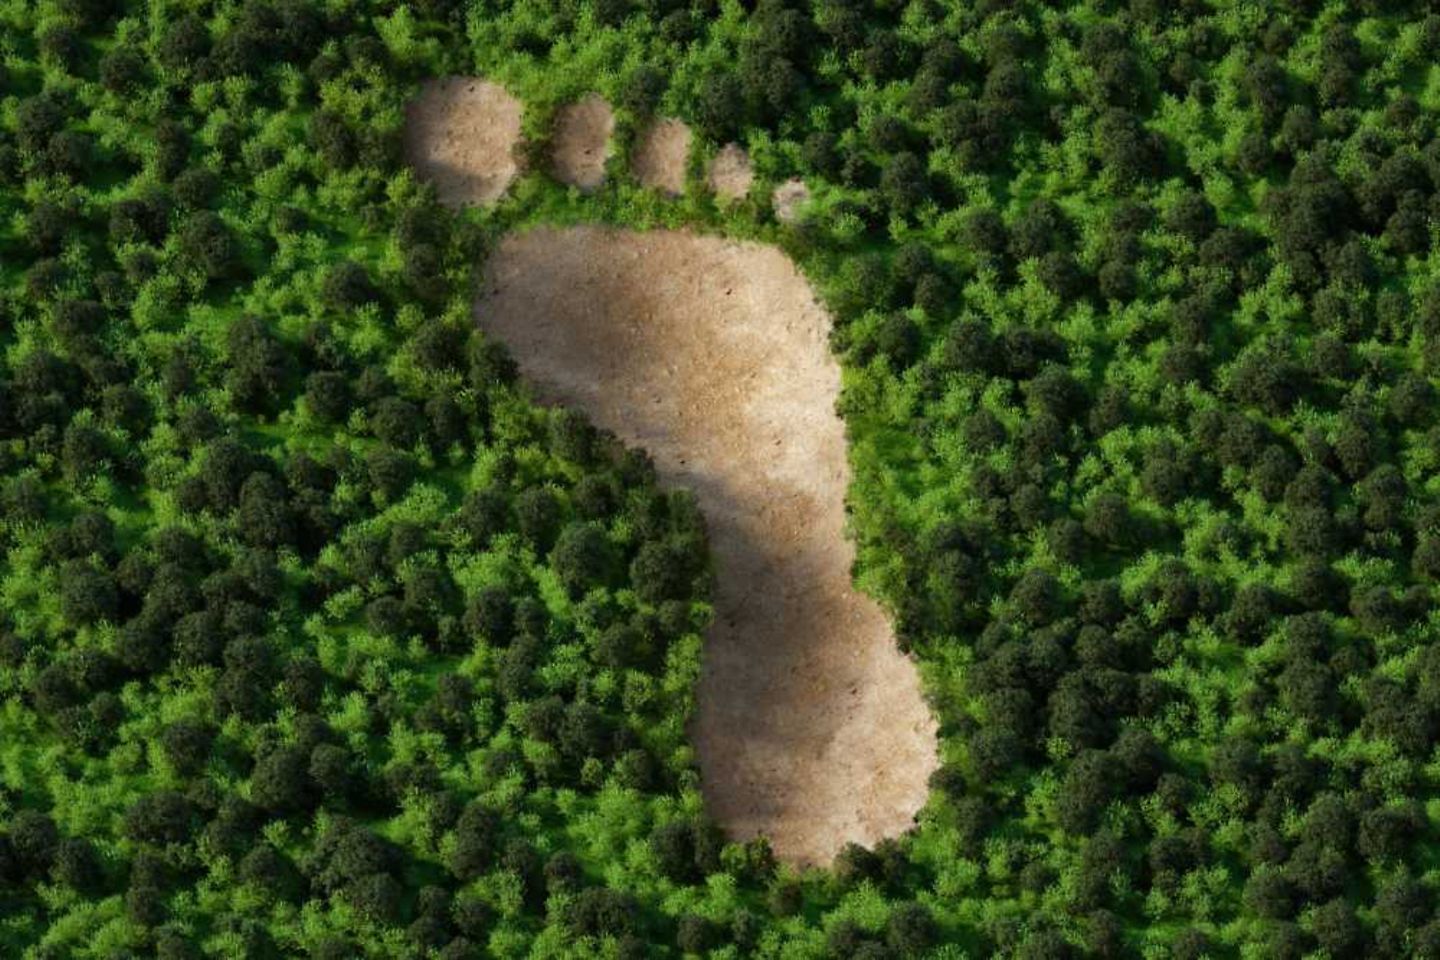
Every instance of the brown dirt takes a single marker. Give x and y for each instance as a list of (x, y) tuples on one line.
[(461, 133), (731, 173), (789, 199), (581, 142), (713, 355), (661, 156)]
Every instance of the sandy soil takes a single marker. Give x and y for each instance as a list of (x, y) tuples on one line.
[(789, 199), (731, 173), (661, 156), (461, 133), (712, 354), (581, 142)]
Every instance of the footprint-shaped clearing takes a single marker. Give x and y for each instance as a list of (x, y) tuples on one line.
[(713, 355)]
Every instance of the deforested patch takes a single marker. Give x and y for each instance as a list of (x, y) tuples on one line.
[(730, 173), (580, 144), (789, 200), (461, 134), (713, 355), (661, 156)]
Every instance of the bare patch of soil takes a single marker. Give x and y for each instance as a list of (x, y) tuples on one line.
[(730, 173), (713, 355), (661, 156), (461, 134), (789, 199), (581, 142)]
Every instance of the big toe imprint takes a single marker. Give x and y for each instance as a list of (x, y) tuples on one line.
[(713, 355)]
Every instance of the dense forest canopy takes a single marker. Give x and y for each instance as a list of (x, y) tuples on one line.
[(319, 638)]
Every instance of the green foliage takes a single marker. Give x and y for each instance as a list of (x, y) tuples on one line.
[(280, 532), (318, 638)]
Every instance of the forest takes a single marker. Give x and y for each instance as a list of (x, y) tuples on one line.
[(320, 637)]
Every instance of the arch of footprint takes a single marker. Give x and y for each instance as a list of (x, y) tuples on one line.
[(712, 354)]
